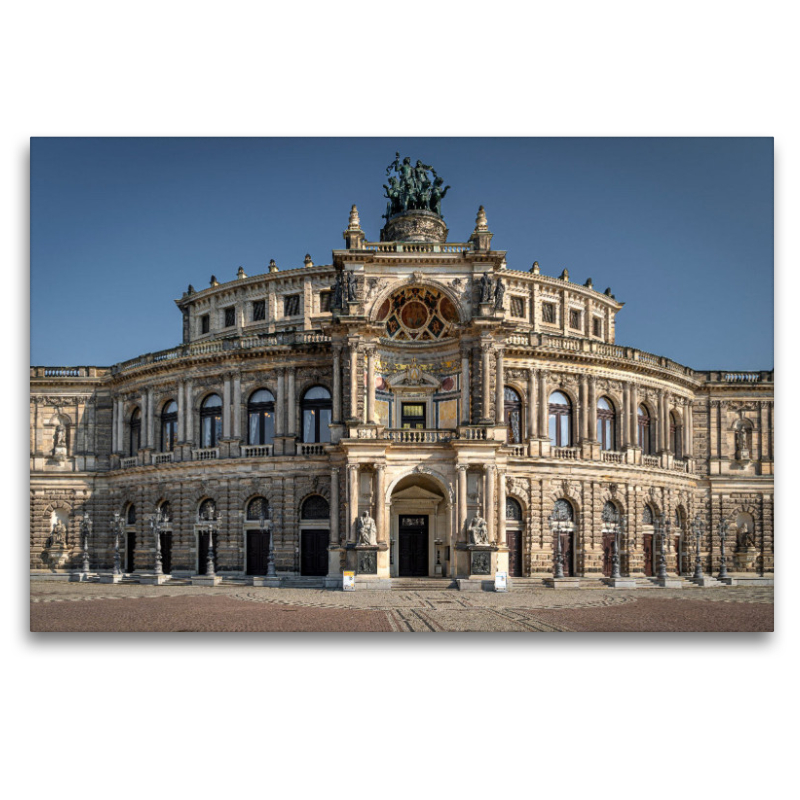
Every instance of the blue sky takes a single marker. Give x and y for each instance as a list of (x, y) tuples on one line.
[(681, 229)]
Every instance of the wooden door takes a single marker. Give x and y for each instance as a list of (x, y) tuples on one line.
[(647, 547), (202, 553), (608, 554), (514, 541), (413, 547), (679, 565), (257, 552), (567, 557), (130, 549), (166, 552), (314, 552)]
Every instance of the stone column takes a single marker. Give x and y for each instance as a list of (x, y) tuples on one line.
[(485, 379), (237, 407), (291, 411), (337, 384), (583, 399), (488, 501), (665, 443), (625, 421), (334, 519), (226, 407), (353, 380), (371, 384), (462, 502), (543, 405), (181, 412), (352, 501), (114, 414), (280, 408), (634, 417), (501, 508), (380, 501), (465, 415), (593, 409), (532, 427), (151, 421), (188, 422), (143, 420), (121, 425), (500, 406), (688, 425)]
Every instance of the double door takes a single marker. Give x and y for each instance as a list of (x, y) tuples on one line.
[(165, 542), (257, 552), (314, 552), (413, 546)]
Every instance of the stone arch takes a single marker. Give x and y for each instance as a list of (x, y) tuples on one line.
[(306, 497), (53, 505), (447, 491), (426, 282)]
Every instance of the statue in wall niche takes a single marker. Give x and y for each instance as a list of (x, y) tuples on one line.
[(478, 530), (59, 437), (338, 295), (367, 532), (58, 536), (486, 288), (742, 451), (351, 287), (745, 536), (499, 293)]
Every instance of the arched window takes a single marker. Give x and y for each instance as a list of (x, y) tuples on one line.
[(130, 514), (513, 509), (675, 435), (610, 515), (210, 421), (643, 422), (315, 507), (166, 512), (257, 509), (563, 508), (169, 426), (606, 434), (316, 407), (261, 417), (647, 515), (513, 412), (207, 510), (136, 431), (560, 433)]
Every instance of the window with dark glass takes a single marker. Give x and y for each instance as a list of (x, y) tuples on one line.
[(513, 413), (210, 421), (560, 433), (136, 432), (517, 306), (259, 310), (316, 408), (230, 316), (513, 510), (205, 323), (291, 305), (675, 436), (166, 512), (257, 509), (597, 327), (575, 319), (207, 509), (647, 515), (549, 313), (605, 424), (315, 507), (261, 417), (412, 415), (169, 426), (130, 515), (643, 424), (324, 302)]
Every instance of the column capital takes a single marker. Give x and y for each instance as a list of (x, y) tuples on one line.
[(489, 468), (462, 467), (334, 472)]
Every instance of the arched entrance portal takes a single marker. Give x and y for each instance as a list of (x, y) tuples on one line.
[(420, 528)]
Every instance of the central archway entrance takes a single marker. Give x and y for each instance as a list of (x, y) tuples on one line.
[(420, 528)]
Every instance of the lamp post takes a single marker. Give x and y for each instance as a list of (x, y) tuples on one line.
[(156, 521), (557, 518), (208, 525), (118, 523), (663, 526), (723, 533), (615, 521), (697, 526), (266, 527), (86, 529)]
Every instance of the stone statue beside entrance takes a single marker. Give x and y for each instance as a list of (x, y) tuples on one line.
[(366, 530), (478, 531), (58, 536)]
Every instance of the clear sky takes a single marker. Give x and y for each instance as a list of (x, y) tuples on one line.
[(681, 229)]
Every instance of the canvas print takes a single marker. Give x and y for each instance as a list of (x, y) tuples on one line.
[(402, 385)]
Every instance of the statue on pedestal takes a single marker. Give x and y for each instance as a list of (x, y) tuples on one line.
[(478, 531), (745, 537), (499, 293), (367, 532), (742, 450), (486, 288), (58, 536)]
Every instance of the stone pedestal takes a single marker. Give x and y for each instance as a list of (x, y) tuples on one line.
[(745, 560), (474, 585), (669, 583), (262, 580), (482, 561), (153, 580), (57, 555), (206, 580), (621, 583), (563, 583), (110, 578), (706, 580)]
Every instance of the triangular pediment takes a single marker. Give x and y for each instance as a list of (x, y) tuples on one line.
[(416, 493)]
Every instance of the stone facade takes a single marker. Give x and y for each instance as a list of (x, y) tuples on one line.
[(407, 384)]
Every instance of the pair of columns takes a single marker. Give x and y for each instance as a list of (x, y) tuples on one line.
[(491, 477), (379, 492)]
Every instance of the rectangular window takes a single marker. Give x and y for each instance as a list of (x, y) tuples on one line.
[(259, 310), (291, 305), (575, 319), (230, 316), (413, 415), (517, 306), (205, 323), (597, 327), (324, 302), (549, 313)]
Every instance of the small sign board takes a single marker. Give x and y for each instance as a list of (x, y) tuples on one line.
[(348, 581), (501, 581)]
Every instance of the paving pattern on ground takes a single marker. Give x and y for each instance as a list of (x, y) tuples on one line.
[(133, 607)]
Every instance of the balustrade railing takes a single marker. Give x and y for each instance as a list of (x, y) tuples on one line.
[(471, 433), (680, 465), (205, 454), (519, 450), (162, 458), (649, 461), (62, 372), (312, 449), (741, 377), (418, 436), (570, 453), (256, 450), (612, 457), (127, 463)]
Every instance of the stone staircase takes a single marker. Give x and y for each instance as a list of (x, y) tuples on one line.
[(422, 584)]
